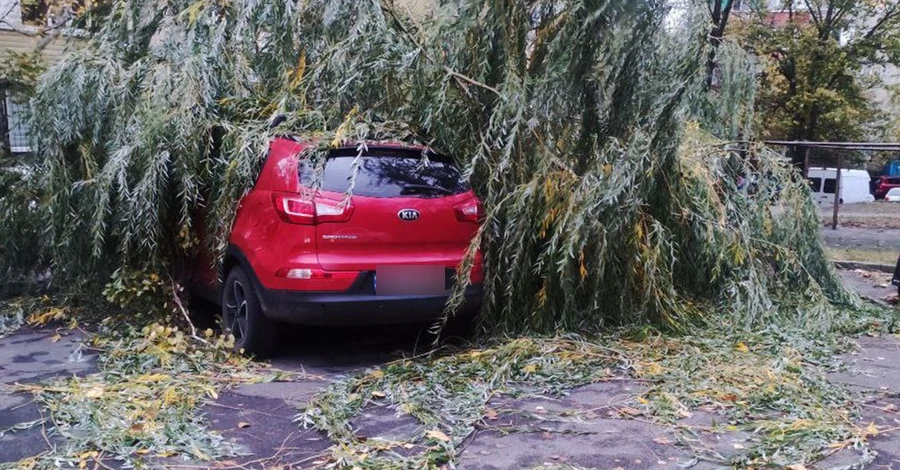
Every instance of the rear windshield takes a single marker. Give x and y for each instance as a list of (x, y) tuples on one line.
[(388, 174)]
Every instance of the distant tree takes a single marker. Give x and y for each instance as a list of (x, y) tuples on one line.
[(812, 87)]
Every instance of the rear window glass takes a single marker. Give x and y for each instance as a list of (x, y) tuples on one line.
[(388, 174), (815, 184)]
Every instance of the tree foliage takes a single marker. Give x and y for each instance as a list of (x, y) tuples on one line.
[(577, 121), (813, 85)]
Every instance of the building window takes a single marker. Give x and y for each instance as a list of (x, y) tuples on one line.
[(18, 124), (50, 13)]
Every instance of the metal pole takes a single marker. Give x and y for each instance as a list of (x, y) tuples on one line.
[(837, 192), (805, 163), (5, 149)]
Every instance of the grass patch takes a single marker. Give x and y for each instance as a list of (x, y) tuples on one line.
[(874, 222), (770, 383), (875, 255), (878, 214)]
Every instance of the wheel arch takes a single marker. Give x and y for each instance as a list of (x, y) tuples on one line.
[(234, 257)]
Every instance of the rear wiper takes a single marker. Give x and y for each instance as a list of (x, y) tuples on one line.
[(419, 188)]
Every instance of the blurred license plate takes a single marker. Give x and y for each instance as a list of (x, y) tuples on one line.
[(409, 280)]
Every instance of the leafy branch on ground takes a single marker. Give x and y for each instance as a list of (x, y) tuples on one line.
[(143, 403), (770, 383)]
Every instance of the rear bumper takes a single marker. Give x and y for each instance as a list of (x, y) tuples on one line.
[(360, 308)]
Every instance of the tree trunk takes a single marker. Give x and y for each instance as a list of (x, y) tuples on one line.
[(720, 13)]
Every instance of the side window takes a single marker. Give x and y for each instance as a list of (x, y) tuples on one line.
[(893, 181), (829, 186), (815, 184)]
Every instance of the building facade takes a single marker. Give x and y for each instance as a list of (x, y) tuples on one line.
[(18, 35)]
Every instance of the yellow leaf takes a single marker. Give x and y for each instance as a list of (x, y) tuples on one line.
[(199, 453), (741, 347), (437, 435), (170, 396), (95, 392), (648, 369), (299, 71), (530, 368), (378, 395), (377, 374), (193, 11), (582, 270), (872, 430), (55, 338), (142, 451), (152, 377)]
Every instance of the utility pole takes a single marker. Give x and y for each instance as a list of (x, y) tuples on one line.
[(837, 191), (5, 148)]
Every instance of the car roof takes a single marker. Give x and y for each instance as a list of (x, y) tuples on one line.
[(376, 144)]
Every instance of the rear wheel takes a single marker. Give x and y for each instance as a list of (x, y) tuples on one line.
[(242, 316), (461, 326)]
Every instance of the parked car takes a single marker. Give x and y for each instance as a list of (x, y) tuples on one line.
[(885, 184), (854, 185), (893, 195), (389, 254)]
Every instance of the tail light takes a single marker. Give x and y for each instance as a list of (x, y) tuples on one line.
[(469, 211), (297, 209)]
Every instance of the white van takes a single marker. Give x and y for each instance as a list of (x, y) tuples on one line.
[(854, 185)]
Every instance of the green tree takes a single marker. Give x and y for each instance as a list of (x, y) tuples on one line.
[(607, 204), (811, 87)]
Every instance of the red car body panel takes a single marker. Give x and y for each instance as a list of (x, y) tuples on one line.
[(336, 252), (885, 184)]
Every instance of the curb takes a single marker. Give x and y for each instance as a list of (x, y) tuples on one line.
[(884, 268)]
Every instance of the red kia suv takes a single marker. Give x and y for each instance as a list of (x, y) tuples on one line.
[(388, 254), (883, 184)]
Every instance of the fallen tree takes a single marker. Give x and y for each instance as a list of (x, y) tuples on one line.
[(607, 168)]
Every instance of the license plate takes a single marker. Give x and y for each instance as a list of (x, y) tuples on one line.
[(409, 280)]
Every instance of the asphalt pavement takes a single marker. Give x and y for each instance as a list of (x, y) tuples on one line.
[(583, 429)]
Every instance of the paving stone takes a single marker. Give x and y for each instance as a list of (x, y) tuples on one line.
[(29, 356)]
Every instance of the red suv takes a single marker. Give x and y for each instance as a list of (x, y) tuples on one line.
[(388, 254), (883, 184)]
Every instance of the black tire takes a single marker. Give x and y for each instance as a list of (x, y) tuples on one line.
[(462, 326), (242, 316)]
